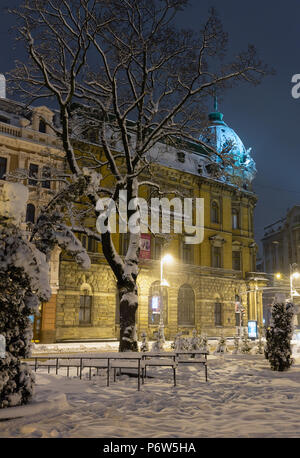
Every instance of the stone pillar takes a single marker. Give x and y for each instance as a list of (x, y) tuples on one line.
[(48, 320)]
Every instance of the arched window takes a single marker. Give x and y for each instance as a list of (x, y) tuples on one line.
[(218, 314), (85, 308), (235, 219), (30, 213), (215, 212), (186, 306), (42, 126), (158, 299)]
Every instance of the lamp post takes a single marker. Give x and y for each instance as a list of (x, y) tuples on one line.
[(293, 274), (167, 259)]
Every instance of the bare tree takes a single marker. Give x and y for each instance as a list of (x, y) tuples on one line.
[(122, 69)]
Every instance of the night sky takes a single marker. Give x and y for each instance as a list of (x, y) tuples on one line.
[(265, 117)]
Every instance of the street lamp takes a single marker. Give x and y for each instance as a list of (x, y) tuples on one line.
[(167, 259)]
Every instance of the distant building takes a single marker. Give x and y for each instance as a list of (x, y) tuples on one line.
[(281, 257)]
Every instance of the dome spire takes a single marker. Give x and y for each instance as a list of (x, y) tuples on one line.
[(215, 103), (215, 115)]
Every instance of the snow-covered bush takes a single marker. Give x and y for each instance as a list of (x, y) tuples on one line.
[(221, 346), (158, 345), (278, 348), (24, 282), (236, 344), (145, 344), (204, 344), (245, 347), (195, 341)]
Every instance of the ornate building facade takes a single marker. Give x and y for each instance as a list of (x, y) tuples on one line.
[(205, 282)]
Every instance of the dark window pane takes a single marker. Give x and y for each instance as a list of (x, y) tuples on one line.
[(30, 213), (216, 257), (46, 174), (218, 314), (215, 213), (42, 126), (236, 260), (3, 166), (33, 172), (85, 309), (186, 305)]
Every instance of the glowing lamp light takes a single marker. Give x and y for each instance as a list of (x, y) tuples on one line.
[(296, 275), (167, 259), (278, 276)]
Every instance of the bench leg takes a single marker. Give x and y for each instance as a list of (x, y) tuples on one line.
[(114, 374), (90, 373), (107, 374), (205, 372), (174, 375)]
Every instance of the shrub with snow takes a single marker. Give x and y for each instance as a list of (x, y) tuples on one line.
[(221, 346), (245, 347), (24, 282), (278, 348)]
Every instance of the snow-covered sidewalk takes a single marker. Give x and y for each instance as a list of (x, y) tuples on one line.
[(243, 398)]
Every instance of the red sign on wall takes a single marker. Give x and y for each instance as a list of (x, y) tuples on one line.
[(145, 246)]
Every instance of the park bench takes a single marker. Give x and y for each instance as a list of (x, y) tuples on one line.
[(200, 359)]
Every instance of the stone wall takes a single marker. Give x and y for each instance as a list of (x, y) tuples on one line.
[(102, 286)]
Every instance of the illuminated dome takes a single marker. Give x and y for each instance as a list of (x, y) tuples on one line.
[(222, 138)]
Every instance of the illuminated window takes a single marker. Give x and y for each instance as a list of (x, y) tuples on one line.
[(157, 295)]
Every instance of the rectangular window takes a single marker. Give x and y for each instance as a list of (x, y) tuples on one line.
[(33, 173), (91, 244), (3, 166), (216, 257), (187, 253), (236, 260), (46, 174), (124, 243), (85, 309), (218, 314)]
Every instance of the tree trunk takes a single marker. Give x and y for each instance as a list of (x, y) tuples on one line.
[(128, 297)]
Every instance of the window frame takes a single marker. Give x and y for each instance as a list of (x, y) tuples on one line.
[(184, 307)]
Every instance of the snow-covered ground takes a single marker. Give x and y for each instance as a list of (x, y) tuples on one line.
[(243, 398)]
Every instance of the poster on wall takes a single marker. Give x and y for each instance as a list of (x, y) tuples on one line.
[(145, 246), (252, 329)]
